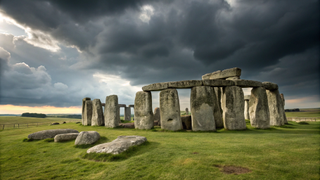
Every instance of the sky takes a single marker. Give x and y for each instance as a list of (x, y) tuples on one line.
[(53, 53)]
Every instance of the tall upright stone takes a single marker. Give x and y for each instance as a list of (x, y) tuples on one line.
[(202, 102), (187, 111), (276, 109), (284, 114), (217, 111), (111, 112), (127, 113), (143, 116), (86, 111), (259, 108), (233, 108), (97, 113), (217, 91), (246, 107), (156, 115), (170, 110)]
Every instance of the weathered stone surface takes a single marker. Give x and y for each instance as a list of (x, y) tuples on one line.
[(233, 78), (131, 105), (127, 125), (87, 137), (156, 86), (156, 115), (259, 109), (121, 105), (65, 137), (232, 72), (86, 111), (45, 134), (111, 112), (218, 83), (284, 114), (119, 145), (187, 111), (276, 109), (247, 83), (270, 86), (247, 97), (170, 110), (186, 122), (217, 91), (103, 104), (246, 109), (202, 108), (97, 113), (185, 84), (217, 111), (143, 116), (233, 108), (127, 114)]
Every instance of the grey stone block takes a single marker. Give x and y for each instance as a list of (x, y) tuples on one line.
[(232, 72), (259, 109), (127, 114), (97, 113), (247, 83), (276, 109), (111, 112), (185, 84), (86, 111), (45, 134), (270, 86), (170, 110), (87, 137), (218, 83), (65, 137), (143, 116), (156, 86)]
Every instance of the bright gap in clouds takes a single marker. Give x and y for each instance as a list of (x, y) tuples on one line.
[(11, 109)]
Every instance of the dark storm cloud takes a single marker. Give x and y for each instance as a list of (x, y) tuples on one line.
[(176, 40)]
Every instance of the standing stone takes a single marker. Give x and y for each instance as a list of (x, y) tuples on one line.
[(86, 111), (111, 112), (217, 91), (156, 115), (186, 122), (259, 109), (127, 114), (246, 109), (187, 111), (170, 110), (202, 108), (217, 111), (97, 113), (233, 108), (284, 114), (276, 109), (143, 116)]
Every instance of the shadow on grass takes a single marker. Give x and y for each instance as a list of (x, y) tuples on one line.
[(132, 151)]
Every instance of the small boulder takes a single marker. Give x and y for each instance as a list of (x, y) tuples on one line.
[(65, 137), (45, 134), (87, 137), (119, 145)]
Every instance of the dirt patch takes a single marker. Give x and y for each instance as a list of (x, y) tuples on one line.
[(233, 169)]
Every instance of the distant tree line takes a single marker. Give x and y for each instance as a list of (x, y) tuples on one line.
[(75, 116), (38, 115), (292, 110)]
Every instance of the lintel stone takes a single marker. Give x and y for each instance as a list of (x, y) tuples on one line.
[(131, 105), (122, 105), (247, 83), (185, 84), (156, 86), (270, 86), (217, 83), (232, 72)]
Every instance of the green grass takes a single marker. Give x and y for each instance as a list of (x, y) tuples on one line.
[(19, 119), (288, 152)]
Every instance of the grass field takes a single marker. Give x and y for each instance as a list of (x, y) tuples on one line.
[(288, 152)]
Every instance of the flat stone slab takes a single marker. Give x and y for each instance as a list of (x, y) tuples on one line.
[(270, 86), (65, 137), (45, 134), (247, 83), (218, 83), (87, 137), (232, 72), (156, 86), (119, 145), (185, 84)]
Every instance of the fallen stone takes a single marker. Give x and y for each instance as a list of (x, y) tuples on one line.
[(202, 108), (97, 113), (119, 145), (143, 116), (111, 112), (233, 108), (87, 137), (170, 110), (218, 83), (127, 125), (247, 83), (156, 86), (270, 86), (259, 109), (276, 109), (87, 112), (65, 137), (186, 122), (185, 84), (45, 134)]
